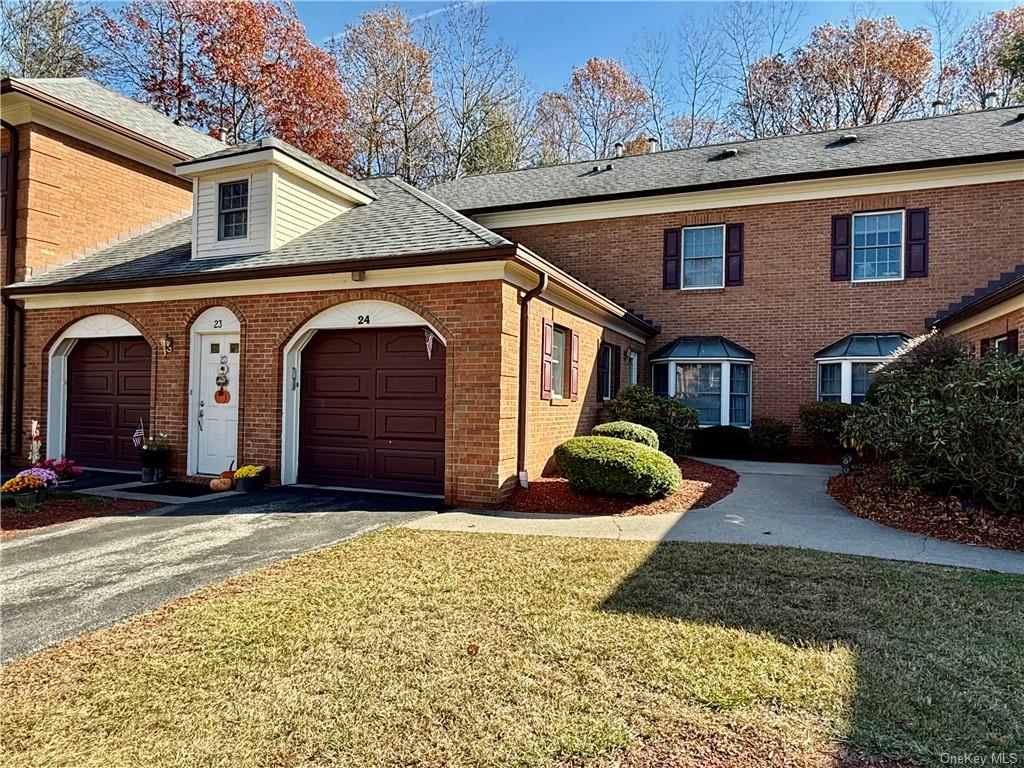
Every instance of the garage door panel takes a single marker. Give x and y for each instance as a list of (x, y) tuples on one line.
[(339, 423), (411, 424), (410, 384), (386, 433), (107, 398)]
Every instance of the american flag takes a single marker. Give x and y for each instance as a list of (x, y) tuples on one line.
[(139, 435)]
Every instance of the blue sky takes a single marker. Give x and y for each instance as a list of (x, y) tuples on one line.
[(552, 38)]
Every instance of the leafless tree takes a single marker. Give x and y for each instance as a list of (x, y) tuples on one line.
[(46, 38), (649, 58), (700, 74), (945, 21)]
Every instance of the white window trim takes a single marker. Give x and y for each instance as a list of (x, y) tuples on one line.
[(1004, 339), (726, 392), (566, 343), (633, 367), (682, 259), (230, 241), (903, 245), (846, 375)]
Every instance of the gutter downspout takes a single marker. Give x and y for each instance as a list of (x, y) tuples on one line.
[(524, 360), (11, 423)]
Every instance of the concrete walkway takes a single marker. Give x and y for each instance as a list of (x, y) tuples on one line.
[(59, 582), (774, 503)]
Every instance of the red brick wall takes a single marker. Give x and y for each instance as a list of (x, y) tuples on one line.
[(74, 196), (480, 429), (994, 328), (788, 307)]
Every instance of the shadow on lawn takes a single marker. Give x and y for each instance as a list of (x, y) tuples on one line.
[(936, 651)]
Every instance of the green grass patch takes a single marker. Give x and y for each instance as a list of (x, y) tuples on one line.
[(438, 649)]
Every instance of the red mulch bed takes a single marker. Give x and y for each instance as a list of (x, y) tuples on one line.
[(867, 492), (54, 511), (703, 485)]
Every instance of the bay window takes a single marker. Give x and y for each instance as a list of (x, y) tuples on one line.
[(709, 374), (846, 368)]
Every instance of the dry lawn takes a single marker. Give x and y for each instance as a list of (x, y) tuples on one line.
[(437, 649)]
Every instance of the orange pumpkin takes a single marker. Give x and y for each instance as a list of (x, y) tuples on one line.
[(222, 396), (221, 484)]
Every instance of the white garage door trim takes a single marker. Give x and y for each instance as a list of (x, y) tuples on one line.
[(91, 327), (366, 313)]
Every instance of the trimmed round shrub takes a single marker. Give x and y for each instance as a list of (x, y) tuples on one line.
[(823, 422), (614, 467), (667, 416), (770, 435), (627, 430), (721, 442)]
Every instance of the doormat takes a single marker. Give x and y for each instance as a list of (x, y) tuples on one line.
[(170, 488)]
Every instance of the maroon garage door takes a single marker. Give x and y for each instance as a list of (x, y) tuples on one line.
[(372, 411), (108, 393)]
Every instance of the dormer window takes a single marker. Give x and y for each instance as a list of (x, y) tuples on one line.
[(233, 210)]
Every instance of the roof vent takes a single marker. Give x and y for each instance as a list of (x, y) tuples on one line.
[(729, 152), (848, 138), (596, 169), (652, 144), (620, 149), (990, 99), (938, 107), (1020, 115), (608, 167)]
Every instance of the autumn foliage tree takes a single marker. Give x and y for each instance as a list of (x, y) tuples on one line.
[(976, 64), (245, 67)]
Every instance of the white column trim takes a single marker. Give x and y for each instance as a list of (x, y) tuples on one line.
[(723, 408), (846, 386)]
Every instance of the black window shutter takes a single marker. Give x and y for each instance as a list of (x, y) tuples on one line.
[(917, 242), (841, 237), (602, 370), (1012, 342), (616, 369), (986, 345), (547, 348), (670, 271), (734, 254)]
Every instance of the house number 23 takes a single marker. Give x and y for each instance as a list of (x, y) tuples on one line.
[(363, 320), (218, 323)]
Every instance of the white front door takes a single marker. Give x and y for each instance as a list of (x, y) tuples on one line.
[(216, 402)]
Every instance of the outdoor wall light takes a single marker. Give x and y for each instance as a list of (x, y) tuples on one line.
[(168, 344)]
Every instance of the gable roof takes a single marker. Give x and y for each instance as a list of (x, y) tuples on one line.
[(78, 94), (400, 222), (971, 137), (995, 291), (271, 142)]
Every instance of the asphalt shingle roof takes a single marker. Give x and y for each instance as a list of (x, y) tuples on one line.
[(402, 221), (987, 134), (94, 98), (295, 153), (1007, 284)]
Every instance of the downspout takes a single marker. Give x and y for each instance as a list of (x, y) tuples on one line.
[(11, 423), (524, 362)]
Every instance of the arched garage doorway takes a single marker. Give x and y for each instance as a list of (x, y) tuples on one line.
[(365, 400), (98, 392)]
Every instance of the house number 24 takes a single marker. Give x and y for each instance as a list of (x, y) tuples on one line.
[(363, 320)]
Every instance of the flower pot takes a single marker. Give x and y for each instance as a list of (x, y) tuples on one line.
[(42, 493), (26, 499), (250, 484), (154, 458)]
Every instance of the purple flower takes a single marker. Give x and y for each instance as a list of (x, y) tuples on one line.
[(46, 476)]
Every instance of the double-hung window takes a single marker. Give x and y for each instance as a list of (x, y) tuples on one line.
[(830, 382), (704, 257), (233, 210), (605, 371), (878, 246), (558, 349), (699, 385)]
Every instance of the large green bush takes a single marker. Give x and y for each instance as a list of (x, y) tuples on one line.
[(668, 416), (770, 434), (615, 467), (721, 442), (823, 422), (627, 430), (955, 427)]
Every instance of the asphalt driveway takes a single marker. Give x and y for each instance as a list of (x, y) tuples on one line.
[(60, 582)]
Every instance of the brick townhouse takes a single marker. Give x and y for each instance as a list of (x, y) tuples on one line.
[(260, 307)]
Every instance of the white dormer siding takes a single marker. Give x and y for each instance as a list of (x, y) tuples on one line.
[(205, 242), (299, 207), (289, 194)]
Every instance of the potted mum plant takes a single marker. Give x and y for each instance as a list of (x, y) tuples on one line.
[(154, 452), (46, 477), (250, 478), (65, 469), (24, 488)]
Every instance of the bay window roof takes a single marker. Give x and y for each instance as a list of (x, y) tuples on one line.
[(703, 347), (863, 345)]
